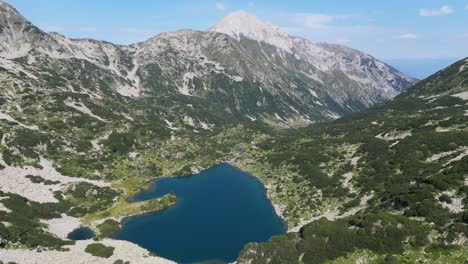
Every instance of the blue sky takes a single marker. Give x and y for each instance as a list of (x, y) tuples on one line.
[(396, 29)]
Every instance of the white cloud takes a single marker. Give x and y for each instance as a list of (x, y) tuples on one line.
[(251, 4), (309, 20), (220, 6), (366, 35), (408, 36), (52, 28), (466, 7), (444, 10)]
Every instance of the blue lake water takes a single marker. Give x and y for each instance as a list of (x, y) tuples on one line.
[(81, 233), (217, 212)]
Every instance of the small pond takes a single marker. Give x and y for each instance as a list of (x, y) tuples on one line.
[(82, 233)]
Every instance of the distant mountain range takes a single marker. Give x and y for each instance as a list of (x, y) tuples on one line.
[(256, 69)]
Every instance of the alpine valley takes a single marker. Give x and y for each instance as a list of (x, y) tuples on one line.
[(363, 163)]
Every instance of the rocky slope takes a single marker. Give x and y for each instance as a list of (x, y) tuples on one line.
[(345, 73), (385, 185)]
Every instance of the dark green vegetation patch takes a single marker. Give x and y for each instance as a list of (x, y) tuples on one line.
[(108, 228), (99, 250), (324, 240)]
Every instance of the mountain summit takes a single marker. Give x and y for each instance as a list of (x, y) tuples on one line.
[(241, 23), (324, 57)]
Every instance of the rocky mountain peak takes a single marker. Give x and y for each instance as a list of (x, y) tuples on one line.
[(4, 6), (241, 23), (17, 34), (9, 15)]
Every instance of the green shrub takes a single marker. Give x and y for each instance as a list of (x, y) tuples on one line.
[(119, 261), (99, 250), (39, 179), (119, 143), (108, 228)]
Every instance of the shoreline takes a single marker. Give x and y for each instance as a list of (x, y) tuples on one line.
[(128, 209), (277, 208)]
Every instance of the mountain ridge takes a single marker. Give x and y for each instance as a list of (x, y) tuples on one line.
[(290, 87)]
